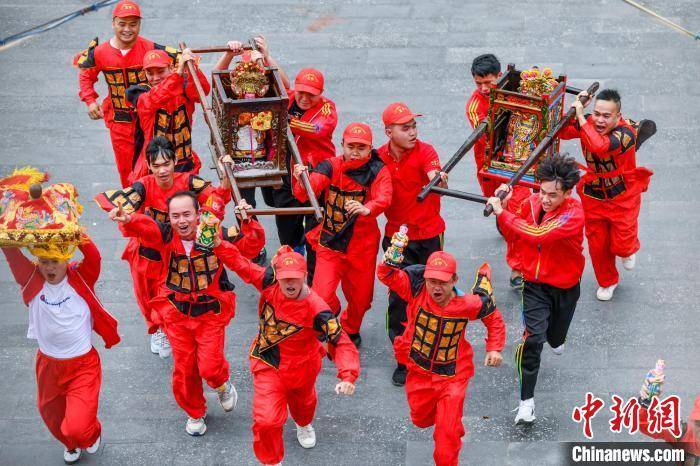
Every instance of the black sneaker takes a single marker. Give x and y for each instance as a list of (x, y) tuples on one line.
[(517, 282), (398, 378), (356, 339), (261, 257)]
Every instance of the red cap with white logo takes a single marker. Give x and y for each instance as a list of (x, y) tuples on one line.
[(398, 113), (357, 132), (125, 9), (309, 80), (441, 265)]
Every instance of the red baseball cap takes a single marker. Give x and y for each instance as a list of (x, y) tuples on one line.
[(156, 59), (398, 113), (441, 265), (357, 132), (126, 8), (289, 264), (309, 80)]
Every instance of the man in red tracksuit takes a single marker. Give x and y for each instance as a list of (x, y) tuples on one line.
[(548, 232), (357, 189), (149, 195), (611, 190), (434, 345), (486, 69), (63, 312), (195, 302), (119, 59), (286, 355), (165, 107), (412, 164)]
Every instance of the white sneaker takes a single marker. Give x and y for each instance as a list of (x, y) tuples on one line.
[(165, 350), (156, 338), (605, 293), (228, 397), (559, 350), (526, 412), (196, 427), (92, 449), (629, 262), (71, 456), (306, 436)]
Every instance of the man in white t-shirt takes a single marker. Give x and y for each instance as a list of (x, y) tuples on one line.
[(63, 311)]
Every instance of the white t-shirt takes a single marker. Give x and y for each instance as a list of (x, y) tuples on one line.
[(60, 321), (113, 43)]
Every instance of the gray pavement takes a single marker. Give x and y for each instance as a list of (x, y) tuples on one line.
[(372, 53)]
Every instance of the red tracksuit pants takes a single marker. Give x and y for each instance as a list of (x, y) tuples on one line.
[(355, 273), (438, 401), (122, 136), (145, 287), (198, 353), (68, 392), (611, 231), (273, 391)]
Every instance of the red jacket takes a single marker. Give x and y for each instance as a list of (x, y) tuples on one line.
[(477, 110), (341, 181), (82, 276), (146, 197), (167, 110), (611, 171), (551, 249), (120, 72), (313, 132), (434, 342), (408, 176), (290, 329), (194, 286)]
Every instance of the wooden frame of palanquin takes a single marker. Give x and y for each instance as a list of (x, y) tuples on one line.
[(226, 110), (506, 100)]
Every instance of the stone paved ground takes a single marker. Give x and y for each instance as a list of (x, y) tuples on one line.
[(374, 52)]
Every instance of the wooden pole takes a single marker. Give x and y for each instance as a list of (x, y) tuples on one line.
[(460, 194), (544, 144), (304, 176), (283, 211)]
